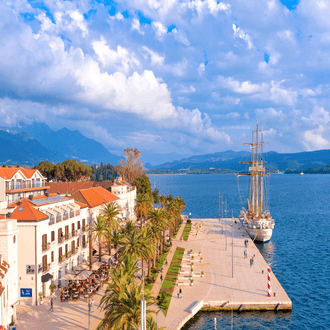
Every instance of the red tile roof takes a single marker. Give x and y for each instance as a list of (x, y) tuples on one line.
[(9, 172), (26, 211), (94, 196), (82, 205), (68, 188)]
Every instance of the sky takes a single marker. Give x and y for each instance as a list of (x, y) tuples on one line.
[(173, 78)]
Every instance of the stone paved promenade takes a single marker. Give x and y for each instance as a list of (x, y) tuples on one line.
[(66, 315), (248, 286)]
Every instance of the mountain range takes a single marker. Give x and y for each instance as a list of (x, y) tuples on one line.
[(232, 160), (31, 144)]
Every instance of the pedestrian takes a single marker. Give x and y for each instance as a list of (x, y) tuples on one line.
[(170, 243), (89, 307), (161, 269), (161, 277), (180, 267), (165, 262), (245, 254), (92, 305), (51, 305), (180, 293), (250, 262)]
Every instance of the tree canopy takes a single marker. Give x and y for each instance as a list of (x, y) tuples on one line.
[(132, 167), (69, 170)]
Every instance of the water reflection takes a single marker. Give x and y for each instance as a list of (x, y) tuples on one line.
[(268, 251)]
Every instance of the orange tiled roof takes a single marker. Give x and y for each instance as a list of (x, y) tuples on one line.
[(9, 172), (68, 188), (25, 211), (94, 196), (81, 204)]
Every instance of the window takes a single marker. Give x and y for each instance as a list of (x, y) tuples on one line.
[(14, 239), (72, 227), (78, 242), (78, 224), (52, 256), (53, 236)]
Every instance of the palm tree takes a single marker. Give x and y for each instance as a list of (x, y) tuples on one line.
[(155, 232), (98, 231), (123, 310), (159, 216), (128, 228), (117, 238), (142, 207), (110, 212)]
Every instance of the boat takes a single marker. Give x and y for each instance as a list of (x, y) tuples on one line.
[(302, 173), (256, 217)]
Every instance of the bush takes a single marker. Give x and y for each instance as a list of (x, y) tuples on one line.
[(188, 221)]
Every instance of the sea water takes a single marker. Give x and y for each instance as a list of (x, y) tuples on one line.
[(298, 253)]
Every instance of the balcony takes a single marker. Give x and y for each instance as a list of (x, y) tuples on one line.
[(61, 259), (45, 246), (74, 233), (77, 212), (26, 185), (46, 268), (60, 240), (67, 236), (84, 244)]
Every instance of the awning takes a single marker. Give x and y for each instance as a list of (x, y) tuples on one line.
[(15, 304), (85, 274), (68, 276), (45, 278)]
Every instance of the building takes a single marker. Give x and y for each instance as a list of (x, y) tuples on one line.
[(8, 271), (51, 241), (18, 182), (125, 192)]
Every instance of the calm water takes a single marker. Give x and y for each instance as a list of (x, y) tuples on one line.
[(299, 251)]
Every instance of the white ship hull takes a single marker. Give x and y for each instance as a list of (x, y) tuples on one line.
[(259, 230)]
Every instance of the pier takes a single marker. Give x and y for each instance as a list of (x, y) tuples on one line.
[(229, 281)]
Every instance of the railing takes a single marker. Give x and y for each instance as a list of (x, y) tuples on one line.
[(71, 214), (65, 215), (61, 259), (58, 218), (60, 240), (46, 268), (45, 246), (75, 233), (24, 185), (51, 220), (67, 236)]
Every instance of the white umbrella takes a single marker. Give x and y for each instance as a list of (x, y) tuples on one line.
[(85, 274), (81, 267), (68, 276)]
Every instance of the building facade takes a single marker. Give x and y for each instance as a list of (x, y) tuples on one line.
[(52, 240)]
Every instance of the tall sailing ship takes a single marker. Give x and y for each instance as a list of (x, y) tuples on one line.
[(256, 217)]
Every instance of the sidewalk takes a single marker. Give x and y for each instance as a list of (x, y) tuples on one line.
[(66, 315), (175, 243)]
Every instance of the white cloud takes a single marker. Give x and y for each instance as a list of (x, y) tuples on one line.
[(155, 58), (245, 87), (180, 36), (136, 26), (208, 6), (119, 60), (118, 16), (315, 141), (239, 33), (159, 28), (270, 114), (201, 68)]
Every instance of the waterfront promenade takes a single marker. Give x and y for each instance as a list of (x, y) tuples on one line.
[(247, 287)]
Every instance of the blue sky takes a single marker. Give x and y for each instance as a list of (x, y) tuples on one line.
[(173, 78)]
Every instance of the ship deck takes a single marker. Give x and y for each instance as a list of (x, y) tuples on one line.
[(220, 289)]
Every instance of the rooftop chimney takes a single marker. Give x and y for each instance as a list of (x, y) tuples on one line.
[(46, 194), (30, 197), (19, 202)]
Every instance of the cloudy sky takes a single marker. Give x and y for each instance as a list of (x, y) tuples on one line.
[(173, 78)]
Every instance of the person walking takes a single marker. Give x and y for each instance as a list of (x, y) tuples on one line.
[(92, 305), (180, 293), (51, 305), (165, 262), (161, 277), (245, 254)]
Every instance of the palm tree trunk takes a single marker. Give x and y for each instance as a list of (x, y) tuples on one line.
[(109, 246), (142, 268), (99, 249), (164, 239), (149, 266)]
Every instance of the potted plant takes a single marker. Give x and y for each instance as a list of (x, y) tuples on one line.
[(192, 270), (191, 250), (52, 287), (41, 295), (201, 259), (191, 282), (199, 253), (202, 274)]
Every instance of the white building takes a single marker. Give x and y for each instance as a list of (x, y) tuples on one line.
[(52, 240), (18, 182), (8, 271)]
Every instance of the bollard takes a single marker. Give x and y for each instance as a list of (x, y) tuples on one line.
[(269, 289)]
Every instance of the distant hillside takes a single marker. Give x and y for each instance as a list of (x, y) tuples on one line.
[(230, 160), (23, 149), (70, 144)]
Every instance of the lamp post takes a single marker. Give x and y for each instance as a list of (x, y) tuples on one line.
[(222, 202), (219, 205), (232, 244), (226, 224)]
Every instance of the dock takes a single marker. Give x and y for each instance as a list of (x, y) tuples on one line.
[(229, 281)]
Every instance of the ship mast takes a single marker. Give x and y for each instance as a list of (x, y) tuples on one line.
[(257, 174)]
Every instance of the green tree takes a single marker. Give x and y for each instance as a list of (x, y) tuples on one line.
[(47, 169), (99, 230), (143, 186), (159, 217), (110, 212), (142, 207)]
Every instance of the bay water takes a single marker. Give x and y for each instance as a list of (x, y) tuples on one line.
[(298, 253)]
